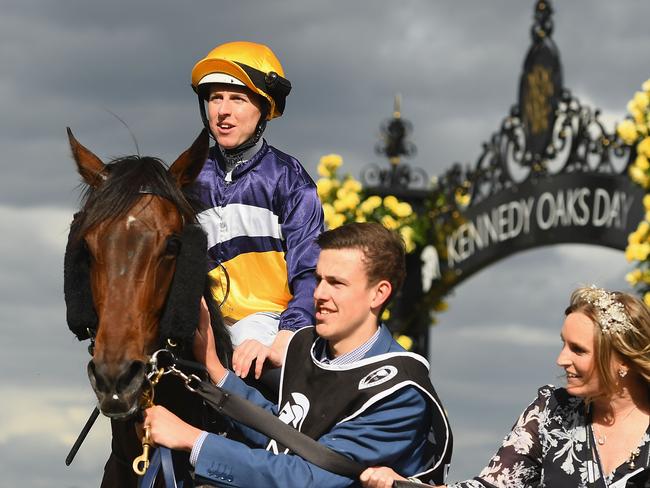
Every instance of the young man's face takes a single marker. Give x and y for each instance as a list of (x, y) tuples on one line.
[(346, 306), (233, 112)]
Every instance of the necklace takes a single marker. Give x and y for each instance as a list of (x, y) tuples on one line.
[(601, 438)]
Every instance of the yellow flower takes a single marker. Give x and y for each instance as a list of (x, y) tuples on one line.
[(370, 204), (328, 211), (324, 171), (351, 200), (646, 85), (352, 185), (365, 208), (645, 276), (646, 298), (389, 222), (323, 187), (462, 198), (385, 315), (626, 130), (390, 202), (642, 162), (407, 235), (331, 161), (405, 341), (644, 147), (641, 100), (403, 209), (634, 238), (633, 277), (635, 112), (643, 228), (360, 217), (340, 205), (336, 220), (639, 176), (641, 251)]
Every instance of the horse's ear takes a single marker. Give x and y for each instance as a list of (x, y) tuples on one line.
[(189, 164), (90, 167)]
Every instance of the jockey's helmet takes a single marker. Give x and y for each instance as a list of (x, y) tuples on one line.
[(247, 64)]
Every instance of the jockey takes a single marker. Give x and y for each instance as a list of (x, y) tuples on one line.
[(259, 206)]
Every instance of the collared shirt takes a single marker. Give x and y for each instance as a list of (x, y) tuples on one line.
[(321, 352)]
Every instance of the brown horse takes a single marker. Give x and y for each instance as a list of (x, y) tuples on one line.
[(135, 271)]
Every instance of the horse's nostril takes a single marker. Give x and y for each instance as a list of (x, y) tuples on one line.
[(134, 373), (123, 378), (97, 379)]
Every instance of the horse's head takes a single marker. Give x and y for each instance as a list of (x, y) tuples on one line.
[(129, 229)]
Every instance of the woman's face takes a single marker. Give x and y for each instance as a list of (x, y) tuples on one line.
[(578, 356)]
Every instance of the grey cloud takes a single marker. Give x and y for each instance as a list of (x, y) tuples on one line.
[(457, 66)]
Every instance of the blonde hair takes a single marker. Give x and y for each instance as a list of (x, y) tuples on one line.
[(632, 344)]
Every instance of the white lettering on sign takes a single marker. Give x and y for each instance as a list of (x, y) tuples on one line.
[(572, 207)]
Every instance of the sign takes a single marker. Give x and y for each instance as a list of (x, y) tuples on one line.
[(599, 209)]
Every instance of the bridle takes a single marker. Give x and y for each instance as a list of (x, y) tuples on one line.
[(179, 318)]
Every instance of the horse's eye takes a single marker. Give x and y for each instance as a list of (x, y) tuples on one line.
[(173, 246)]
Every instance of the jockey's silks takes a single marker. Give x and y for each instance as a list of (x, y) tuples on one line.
[(261, 229)]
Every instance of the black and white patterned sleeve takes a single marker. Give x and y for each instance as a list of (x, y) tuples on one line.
[(518, 462)]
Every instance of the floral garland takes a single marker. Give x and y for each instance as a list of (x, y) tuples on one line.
[(344, 201), (635, 131)]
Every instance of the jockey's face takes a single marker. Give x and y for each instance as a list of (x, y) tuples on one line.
[(233, 112), (346, 304)]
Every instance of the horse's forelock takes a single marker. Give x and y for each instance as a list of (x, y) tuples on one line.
[(128, 178)]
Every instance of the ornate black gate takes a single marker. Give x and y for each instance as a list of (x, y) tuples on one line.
[(551, 174)]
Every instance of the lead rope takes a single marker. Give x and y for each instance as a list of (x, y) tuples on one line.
[(141, 463)]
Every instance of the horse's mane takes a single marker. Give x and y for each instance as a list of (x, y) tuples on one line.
[(126, 179)]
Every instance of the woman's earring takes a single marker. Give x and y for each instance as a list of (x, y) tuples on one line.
[(622, 373)]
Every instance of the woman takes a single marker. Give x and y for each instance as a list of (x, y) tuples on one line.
[(593, 432)]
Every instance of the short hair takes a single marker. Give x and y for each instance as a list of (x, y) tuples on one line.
[(383, 251), (632, 343)]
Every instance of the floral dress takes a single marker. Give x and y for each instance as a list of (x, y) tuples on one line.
[(552, 445)]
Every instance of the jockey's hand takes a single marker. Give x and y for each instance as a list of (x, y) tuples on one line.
[(204, 347), (248, 351), (251, 350), (379, 477), (166, 429)]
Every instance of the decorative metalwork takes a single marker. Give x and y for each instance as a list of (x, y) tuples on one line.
[(394, 146), (548, 132)]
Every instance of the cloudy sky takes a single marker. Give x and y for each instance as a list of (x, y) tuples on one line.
[(456, 64)]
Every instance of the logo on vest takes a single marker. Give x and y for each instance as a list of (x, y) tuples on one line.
[(293, 413), (377, 377)]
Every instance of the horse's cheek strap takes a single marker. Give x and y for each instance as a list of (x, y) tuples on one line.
[(181, 314)]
